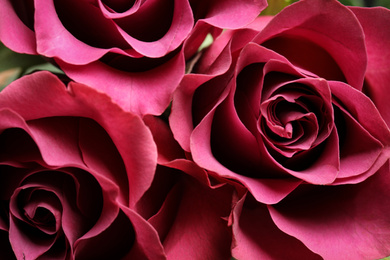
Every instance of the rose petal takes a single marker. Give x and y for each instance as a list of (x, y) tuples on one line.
[(256, 236), (229, 14), (147, 244), (196, 37), (264, 190), (53, 39), (363, 121), (180, 118), (340, 222), (14, 134), (198, 210), (94, 30), (40, 202), (102, 156), (317, 25), (60, 185), (120, 240), (255, 75), (168, 148), (114, 9), (13, 32), (108, 214), (151, 17), (231, 142), (378, 54), (147, 92), (57, 140), (25, 246)]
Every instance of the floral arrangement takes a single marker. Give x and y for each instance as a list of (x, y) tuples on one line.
[(193, 129)]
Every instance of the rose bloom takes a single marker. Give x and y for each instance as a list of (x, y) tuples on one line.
[(74, 165), (280, 107), (131, 50), (189, 209)]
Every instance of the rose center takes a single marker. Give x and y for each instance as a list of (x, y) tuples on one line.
[(43, 218), (281, 117), (42, 209)]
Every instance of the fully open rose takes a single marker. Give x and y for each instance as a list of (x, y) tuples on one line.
[(132, 50), (73, 167), (279, 108)]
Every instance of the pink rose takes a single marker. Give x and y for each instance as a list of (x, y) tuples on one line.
[(192, 216), (131, 50), (73, 167), (279, 108)]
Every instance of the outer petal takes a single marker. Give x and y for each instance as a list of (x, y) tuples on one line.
[(322, 28), (215, 62), (378, 67), (228, 14), (147, 92), (181, 116), (181, 25), (128, 237), (257, 237), (11, 141), (53, 40), (190, 222), (13, 32), (57, 140), (168, 148), (147, 244), (103, 157), (184, 207), (358, 118), (341, 222)]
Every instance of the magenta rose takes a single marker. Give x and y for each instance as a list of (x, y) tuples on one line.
[(131, 50), (190, 209), (279, 108), (73, 167)]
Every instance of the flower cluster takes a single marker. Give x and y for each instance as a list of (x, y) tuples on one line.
[(273, 142)]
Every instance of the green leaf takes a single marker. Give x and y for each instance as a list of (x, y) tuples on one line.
[(10, 59), (352, 2), (206, 43), (44, 66), (275, 6), (384, 3), (13, 65)]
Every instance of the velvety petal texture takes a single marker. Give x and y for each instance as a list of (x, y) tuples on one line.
[(132, 50), (378, 54), (351, 220), (256, 235), (281, 108), (73, 167), (192, 216)]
